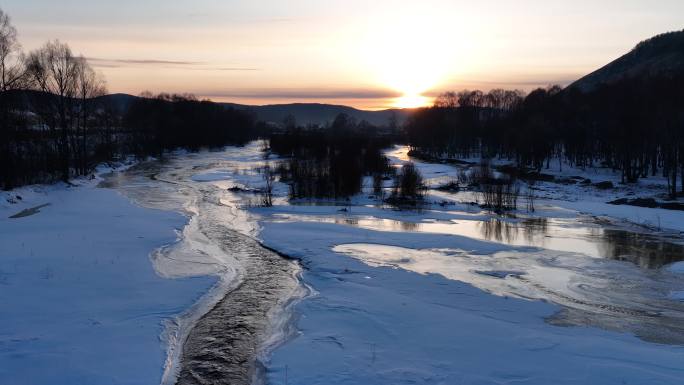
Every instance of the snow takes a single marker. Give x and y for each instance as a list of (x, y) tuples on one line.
[(211, 176), (583, 199), (396, 297), (82, 301), (677, 295), (404, 297), (402, 327), (677, 267), (655, 218)]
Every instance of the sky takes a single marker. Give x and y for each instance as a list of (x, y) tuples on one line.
[(367, 54)]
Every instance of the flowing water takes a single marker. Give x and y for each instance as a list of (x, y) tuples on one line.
[(224, 337)]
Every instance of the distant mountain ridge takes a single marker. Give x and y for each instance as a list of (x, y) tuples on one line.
[(658, 56), (317, 113), (120, 102), (304, 113)]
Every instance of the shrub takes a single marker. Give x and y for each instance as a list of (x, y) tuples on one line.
[(408, 183), (498, 194), (267, 193)]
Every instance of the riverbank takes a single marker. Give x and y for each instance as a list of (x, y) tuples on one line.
[(576, 189), (376, 321), (163, 235), (83, 301)]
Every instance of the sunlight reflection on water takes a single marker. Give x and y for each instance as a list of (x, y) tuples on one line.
[(557, 234)]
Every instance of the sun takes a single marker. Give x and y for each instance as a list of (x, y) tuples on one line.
[(411, 101), (410, 53)]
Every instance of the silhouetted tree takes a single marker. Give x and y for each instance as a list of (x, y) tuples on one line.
[(89, 86), (12, 78), (54, 71)]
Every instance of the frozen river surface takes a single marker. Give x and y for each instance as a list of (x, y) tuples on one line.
[(447, 294)]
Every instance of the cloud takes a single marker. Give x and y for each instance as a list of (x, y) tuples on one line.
[(106, 65), (190, 65), (104, 62), (529, 81)]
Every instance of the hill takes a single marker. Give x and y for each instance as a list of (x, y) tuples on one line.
[(316, 113), (120, 102), (304, 113), (661, 55)]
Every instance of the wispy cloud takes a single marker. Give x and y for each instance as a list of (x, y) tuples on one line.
[(541, 82), (103, 61), (528, 81), (191, 65)]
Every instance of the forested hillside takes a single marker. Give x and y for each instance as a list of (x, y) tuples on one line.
[(630, 119)]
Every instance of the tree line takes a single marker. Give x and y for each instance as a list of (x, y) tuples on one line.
[(634, 126), (330, 162), (164, 122), (46, 109), (56, 123)]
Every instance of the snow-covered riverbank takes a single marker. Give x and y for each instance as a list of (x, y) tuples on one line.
[(82, 302), (140, 279), (398, 301), (375, 323), (568, 192)]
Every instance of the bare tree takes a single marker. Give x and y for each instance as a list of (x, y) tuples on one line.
[(11, 58), (90, 85), (267, 193), (471, 99), (11, 78), (447, 100), (53, 69)]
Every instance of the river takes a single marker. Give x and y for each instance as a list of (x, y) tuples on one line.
[(600, 274), (220, 340)]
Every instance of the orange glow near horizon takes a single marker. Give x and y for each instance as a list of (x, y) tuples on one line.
[(412, 101), (405, 50), (367, 55)]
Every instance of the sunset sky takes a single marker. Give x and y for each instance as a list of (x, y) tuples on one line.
[(368, 54)]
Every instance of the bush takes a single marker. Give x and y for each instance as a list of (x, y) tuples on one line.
[(498, 194), (267, 193), (408, 183)]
